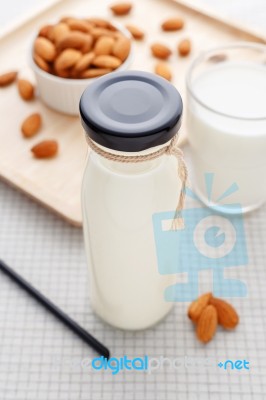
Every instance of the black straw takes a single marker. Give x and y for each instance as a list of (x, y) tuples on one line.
[(77, 329)]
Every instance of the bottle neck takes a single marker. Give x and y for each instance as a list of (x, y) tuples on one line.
[(129, 168)]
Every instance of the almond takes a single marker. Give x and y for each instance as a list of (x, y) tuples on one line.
[(94, 72), (137, 33), (64, 73), (98, 32), (79, 45), (45, 149), (41, 63), (104, 45), (163, 70), (184, 47), (59, 31), (172, 24), (26, 89), (106, 62), (84, 62), (45, 49), (45, 31), (118, 35), (67, 59), (8, 78), (78, 25), (207, 324), (31, 125), (197, 306), (160, 51), (99, 22), (227, 315), (121, 48), (65, 19), (121, 8), (76, 40)]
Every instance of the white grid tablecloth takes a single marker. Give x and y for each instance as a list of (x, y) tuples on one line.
[(41, 359)]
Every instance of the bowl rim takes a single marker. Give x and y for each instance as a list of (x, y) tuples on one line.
[(79, 81)]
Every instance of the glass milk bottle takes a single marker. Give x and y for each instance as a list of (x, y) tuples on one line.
[(128, 115)]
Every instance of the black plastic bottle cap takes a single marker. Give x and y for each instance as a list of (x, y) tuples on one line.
[(131, 111)]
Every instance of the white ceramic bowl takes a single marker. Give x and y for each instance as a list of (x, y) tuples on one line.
[(63, 94)]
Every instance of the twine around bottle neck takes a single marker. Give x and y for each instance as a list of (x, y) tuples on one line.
[(170, 149)]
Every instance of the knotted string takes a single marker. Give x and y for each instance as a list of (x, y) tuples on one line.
[(170, 149)]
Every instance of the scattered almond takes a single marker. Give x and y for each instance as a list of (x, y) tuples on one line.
[(45, 149), (31, 125), (121, 8), (8, 78), (136, 32), (227, 315), (197, 306), (172, 24), (207, 324), (184, 47), (45, 49), (160, 51), (201, 312), (104, 45), (26, 89), (121, 48), (106, 62), (162, 69)]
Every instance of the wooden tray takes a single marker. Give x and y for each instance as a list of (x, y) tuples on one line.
[(56, 183)]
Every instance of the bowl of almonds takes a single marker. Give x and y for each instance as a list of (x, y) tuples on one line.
[(68, 55)]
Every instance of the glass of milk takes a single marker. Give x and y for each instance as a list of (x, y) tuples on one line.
[(226, 123)]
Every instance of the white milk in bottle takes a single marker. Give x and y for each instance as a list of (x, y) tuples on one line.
[(128, 114)]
